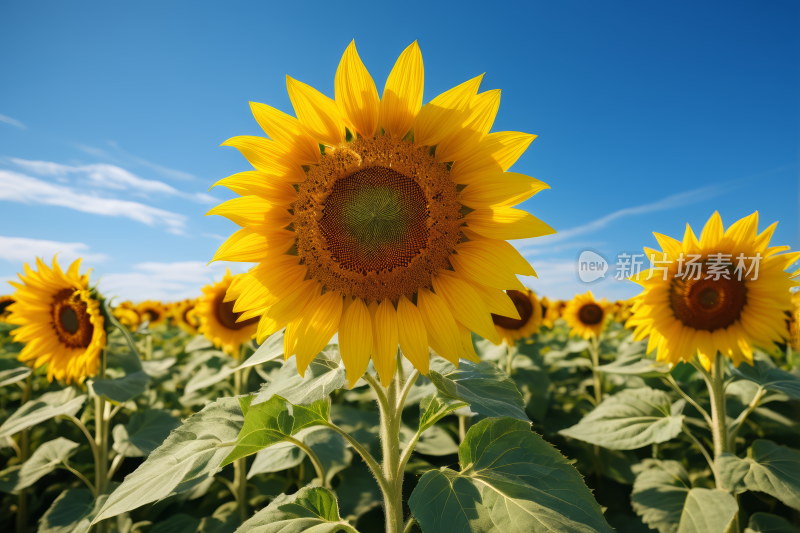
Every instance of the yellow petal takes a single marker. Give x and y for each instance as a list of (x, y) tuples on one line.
[(402, 95), (497, 152), (254, 243), (317, 112), (466, 343), (743, 230), (712, 233), (412, 335), (690, 243), (355, 340), (385, 334), (504, 189), (318, 327), (288, 132), (461, 143), (356, 95), (269, 157), (290, 338), (254, 182), (480, 262), (443, 115), (443, 334), (512, 258), (288, 309), (465, 304), (253, 211), (506, 223), (497, 301)]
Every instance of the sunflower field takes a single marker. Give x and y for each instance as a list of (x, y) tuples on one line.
[(380, 367)]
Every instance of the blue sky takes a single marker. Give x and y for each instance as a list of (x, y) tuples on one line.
[(649, 115)]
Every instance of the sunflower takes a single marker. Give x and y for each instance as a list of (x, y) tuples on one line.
[(5, 302), (551, 311), (183, 314), (153, 312), (219, 322), (622, 310), (127, 315), (530, 317), (379, 218), (794, 325), (585, 316), (723, 293), (60, 320)]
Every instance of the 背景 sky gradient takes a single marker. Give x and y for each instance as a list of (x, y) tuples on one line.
[(649, 115)]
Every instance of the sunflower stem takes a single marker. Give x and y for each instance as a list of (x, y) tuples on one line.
[(594, 352), (509, 359), (102, 413), (240, 465), (24, 453)]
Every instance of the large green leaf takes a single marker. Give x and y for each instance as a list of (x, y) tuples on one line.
[(45, 407), (630, 419), (769, 523), (433, 408), (177, 523), (323, 376), (71, 512), (273, 421), (144, 432), (191, 454), (487, 389), (708, 511), (311, 509), (279, 456), (358, 492), (331, 449), (13, 375), (510, 480), (768, 468), (636, 363), (271, 349), (122, 389), (765, 373), (44, 460)]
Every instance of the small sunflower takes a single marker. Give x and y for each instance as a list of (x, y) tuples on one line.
[(220, 324), (153, 312), (622, 310), (183, 314), (60, 321), (585, 316), (127, 315), (551, 311), (379, 218), (794, 327), (5, 302), (529, 321), (723, 293)]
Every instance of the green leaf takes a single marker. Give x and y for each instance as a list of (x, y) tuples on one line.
[(659, 494), (331, 449), (358, 492), (144, 432), (71, 512), (273, 421), (158, 368), (199, 342), (708, 511), (630, 419), (433, 408), (191, 454), (635, 364), (271, 349), (224, 520), (45, 407), (309, 509), (768, 468), (487, 389), (534, 384), (510, 480), (177, 523), (765, 373), (278, 457), (324, 375), (13, 375), (434, 441), (769, 523), (123, 389), (44, 460)]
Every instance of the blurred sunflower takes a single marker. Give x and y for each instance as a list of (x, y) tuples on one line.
[(380, 218), (529, 321), (585, 316), (723, 293), (795, 322), (183, 314), (60, 321), (153, 312), (5, 302), (127, 315), (218, 321), (551, 311), (622, 310)]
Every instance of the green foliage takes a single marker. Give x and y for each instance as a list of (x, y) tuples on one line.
[(310, 509), (768, 468), (45, 407), (144, 433)]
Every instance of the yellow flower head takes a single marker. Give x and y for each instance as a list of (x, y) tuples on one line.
[(379, 218), (528, 321), (219, 321), (127, 315), (5, 302), (795, 322), (622, 310), (183, 315), (585, 316), (60, 321), (153, 312), (725, 292)]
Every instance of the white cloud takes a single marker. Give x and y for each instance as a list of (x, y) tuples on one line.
[(213, 236), (110, 177), (558, 280), (17, 187), (13, 122), (20, 249), (165, 281), (119, 152)]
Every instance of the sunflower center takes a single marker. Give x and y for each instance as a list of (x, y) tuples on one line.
[(4, 304), (227, 317), (374, 220), (71, 320), (708, 304), (191, 320), (591, 314), (524, 308), (152, 315)]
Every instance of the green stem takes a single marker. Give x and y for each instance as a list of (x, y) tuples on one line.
[(462, 428), (24, 453), (148, 347), (81, 477), (703, 451), (102, 413), (509, 359), (320, 470), (594, 351), (719, 426), (240, 465), (674, 384), (733, 430), (364, 453), (409, 525)]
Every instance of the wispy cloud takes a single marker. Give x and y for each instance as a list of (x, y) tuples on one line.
[(165, 281), (17, 187), (558, 280), (213, 236), (20, 249), (106, 176), (13, 122), (117, 154)]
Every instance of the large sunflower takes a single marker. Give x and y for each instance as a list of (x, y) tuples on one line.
[(705, 302), (153, 312), (529, 321), (60, 320), (5, 302), (585, 316), (219, 322), (183, 313), (380, 218)]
